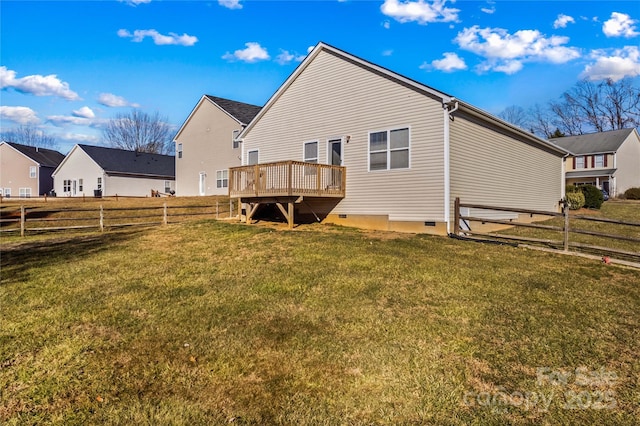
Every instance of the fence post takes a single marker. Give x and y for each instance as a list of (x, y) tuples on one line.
[(456, 216), (565, 210), (217, 209), (22, 220), (165, 213), (101, 218), (230, 208)]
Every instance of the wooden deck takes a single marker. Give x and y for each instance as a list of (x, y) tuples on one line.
[(285, 182)]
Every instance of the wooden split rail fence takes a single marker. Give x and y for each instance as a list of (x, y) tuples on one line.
[(36, 219), (559, 230)]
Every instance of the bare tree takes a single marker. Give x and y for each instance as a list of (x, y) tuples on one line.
[(540, 119), (515, 115), (29, 135), (589, 107), (139, 131)]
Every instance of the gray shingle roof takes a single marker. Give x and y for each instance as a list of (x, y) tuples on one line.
[(121, 161), (241, 111), (43, 156), (593, 143)]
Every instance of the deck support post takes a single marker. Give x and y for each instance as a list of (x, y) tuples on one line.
[(287, 213), (253, 207), (456, 216)]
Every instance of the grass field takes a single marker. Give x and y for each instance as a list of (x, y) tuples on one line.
[(214, 323)]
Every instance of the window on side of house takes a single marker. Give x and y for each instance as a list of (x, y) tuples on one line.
[(24, 192), (99, 183), (167, 186), (580, 163), (599, 160), (310, 154), (32, 171), (66, 185), (179, 150), (252, 157), (389, 149), (235, 141), (7, 192), (222, 179)]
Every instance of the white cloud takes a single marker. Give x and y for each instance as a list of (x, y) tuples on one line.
[(615, 65), (84, 112), (38, 85), (420, 11), (620, 25), (19, 114), (253, 53), (386, 25), (134, 2), (79, 137), (562, 20), (159, 39), (114, 101), (74, 120), (451, 62), (488, 10), (230, 4), (506, 52), (285, 57)]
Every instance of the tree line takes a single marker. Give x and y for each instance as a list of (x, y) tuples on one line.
[(587, 107)]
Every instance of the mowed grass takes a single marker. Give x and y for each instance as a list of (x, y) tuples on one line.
[(214, 323)]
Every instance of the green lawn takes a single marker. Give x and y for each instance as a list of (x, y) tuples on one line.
[(214, 323)]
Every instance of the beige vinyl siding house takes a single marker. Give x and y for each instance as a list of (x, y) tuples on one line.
[(206, 145), (408, 149), (609, 160), (92, 170), (25, 171)]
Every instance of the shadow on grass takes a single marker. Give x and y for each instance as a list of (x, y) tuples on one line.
[(19, 259)]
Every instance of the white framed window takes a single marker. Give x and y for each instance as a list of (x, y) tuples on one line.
[(252, 157), (24, 192), (222, 179), (179, 150), (389, 149), (80, 185), (99, 183), (32, 171), (580, 163), (236, 143), (167, 186), (310, 152), (599, 160), (66, 185), (7, 192)]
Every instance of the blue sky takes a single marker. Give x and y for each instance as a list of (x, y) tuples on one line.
[(67, 67)]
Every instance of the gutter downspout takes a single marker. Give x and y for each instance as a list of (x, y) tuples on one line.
[(447, 117)]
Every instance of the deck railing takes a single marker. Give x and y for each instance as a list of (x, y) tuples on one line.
[(287, 178)]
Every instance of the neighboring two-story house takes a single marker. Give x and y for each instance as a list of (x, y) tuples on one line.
[(609, 160), (94, 170), (25, 171), (207, 145)]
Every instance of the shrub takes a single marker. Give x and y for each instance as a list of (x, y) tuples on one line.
[(593, 198), (575, 200), (570, 189), (632, 194)]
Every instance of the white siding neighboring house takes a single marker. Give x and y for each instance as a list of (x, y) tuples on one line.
[(609, 160), (206, 145), (408, 149), (92, 170)]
